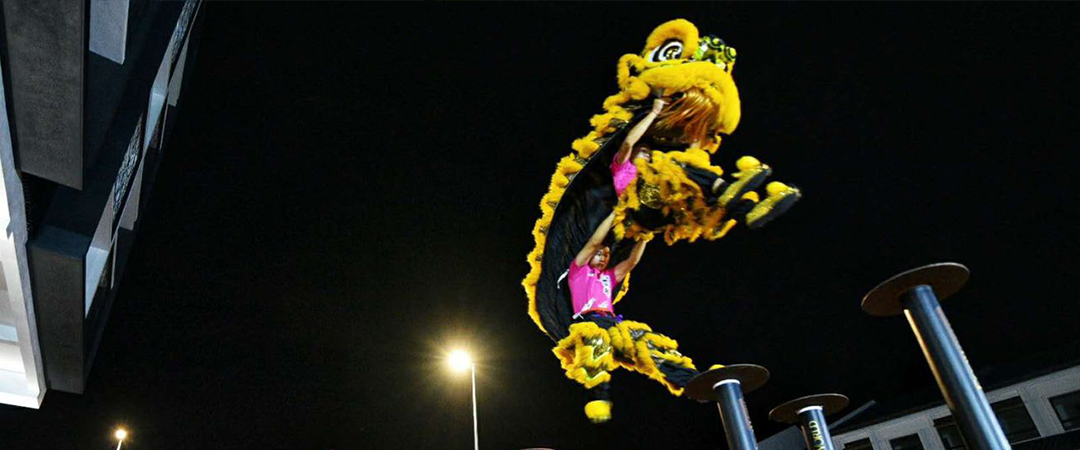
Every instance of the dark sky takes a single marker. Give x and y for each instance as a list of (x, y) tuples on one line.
[(350, 188)]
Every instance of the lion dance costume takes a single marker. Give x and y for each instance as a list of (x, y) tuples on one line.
[(676, 194)]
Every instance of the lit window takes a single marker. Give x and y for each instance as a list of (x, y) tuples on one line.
[(1067, 407), (909, 442), (950, 433), (861, 444), (1015, 420)]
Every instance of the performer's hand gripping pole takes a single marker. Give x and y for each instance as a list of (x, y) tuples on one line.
[(726, 386), (809, 413), (913, 293)]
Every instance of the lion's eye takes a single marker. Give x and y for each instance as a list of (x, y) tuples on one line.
[(669, 50)]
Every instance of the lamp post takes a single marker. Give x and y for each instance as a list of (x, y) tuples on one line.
[(120, 435), (459, 361)]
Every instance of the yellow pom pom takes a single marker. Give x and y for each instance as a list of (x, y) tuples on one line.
[(716, 366), (776, 188), (598, 411), (747, 163)]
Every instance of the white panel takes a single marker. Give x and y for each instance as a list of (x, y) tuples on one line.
[(841, 440), (15, 391), (97, 256), (1037, 396), (159, 92), (177, 80), (131, 208), (108, 28), (7, 314), (24, 385), (930, 438), (9, 333), (157, 100), (10, 357)]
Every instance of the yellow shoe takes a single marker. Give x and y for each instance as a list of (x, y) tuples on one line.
[(750, 175), (598, 411), (781, 197)]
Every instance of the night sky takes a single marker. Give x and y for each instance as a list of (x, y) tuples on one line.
[(350, 188)]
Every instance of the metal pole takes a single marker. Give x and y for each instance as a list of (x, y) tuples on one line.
[(733, 415), (809, 414), (476, 434), (958, 384), (916, 293), (118, 444), (725, 385), (814, 429)]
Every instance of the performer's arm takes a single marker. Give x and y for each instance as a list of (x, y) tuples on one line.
[(635, 134), (595, 241), (626, 266)]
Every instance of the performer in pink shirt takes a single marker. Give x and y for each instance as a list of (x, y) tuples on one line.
[(591, 281), (623, 170), (600, 341), (638, 146)]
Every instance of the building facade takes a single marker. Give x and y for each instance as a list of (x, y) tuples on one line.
[(89, 93), (1038, 413)]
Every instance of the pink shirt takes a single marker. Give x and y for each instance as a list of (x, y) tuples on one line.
[(590, 289), (623, 174)]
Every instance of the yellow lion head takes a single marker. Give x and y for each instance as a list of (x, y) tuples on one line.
[(696, 72)]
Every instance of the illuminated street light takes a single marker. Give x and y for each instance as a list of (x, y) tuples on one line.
[(460, 361), (120, 435)]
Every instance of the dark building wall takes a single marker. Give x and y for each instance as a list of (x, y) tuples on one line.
[(85, 201), (57, 259), (46, 52)]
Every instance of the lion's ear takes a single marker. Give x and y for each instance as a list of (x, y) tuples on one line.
[(675, 39)]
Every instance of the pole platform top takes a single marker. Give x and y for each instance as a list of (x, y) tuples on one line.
[(789, 412), (944, 278), (749, 376)]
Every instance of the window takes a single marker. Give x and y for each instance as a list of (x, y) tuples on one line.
[(861, 444), (950, 433), (1067, 407), (909, 442), (1015, 420)]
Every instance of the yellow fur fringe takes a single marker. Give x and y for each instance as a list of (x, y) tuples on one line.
[(586, 354), (679, 196), (590, 353)]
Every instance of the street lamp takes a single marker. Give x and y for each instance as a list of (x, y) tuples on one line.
[(120, 435), (460, 361)]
